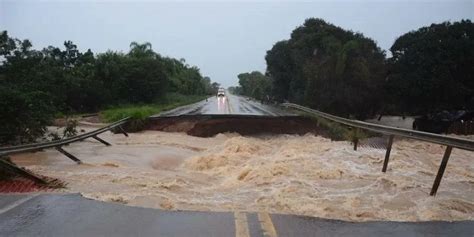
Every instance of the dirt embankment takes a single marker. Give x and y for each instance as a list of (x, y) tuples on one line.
[(210, 125)]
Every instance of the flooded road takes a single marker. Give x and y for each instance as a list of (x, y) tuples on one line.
[(289, 174), (230, 104)]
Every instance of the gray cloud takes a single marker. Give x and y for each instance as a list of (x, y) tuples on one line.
[(221, 38)]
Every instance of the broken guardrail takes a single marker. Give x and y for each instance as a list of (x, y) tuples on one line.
[(6, 151), (449, 142)]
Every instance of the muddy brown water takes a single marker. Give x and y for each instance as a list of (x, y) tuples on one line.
[(304, 174)]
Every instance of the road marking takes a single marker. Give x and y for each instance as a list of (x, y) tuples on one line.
[(229, 108), (241, 225), (267, 225), (17, 203)]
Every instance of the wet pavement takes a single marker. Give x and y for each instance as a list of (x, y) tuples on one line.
[(73, 215), (230, 104)]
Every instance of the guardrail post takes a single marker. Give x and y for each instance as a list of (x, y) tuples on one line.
[(442, 167), (69, 155), (450, 142), (100, 140), (387, 154), (123, 131), (356, 141)]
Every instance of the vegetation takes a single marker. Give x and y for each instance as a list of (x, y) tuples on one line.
[(255, 85), (432, 69), (327, 68), (37, 84), (237, 90), (145, 110), (337, 131), (345, 73), (321, 66), (140, 113)]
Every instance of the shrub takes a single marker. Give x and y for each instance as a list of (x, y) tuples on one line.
[(25, 115)]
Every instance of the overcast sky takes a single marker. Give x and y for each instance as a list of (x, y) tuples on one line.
[(222, 38)]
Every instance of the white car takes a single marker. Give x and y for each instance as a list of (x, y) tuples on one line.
[(221, 92)]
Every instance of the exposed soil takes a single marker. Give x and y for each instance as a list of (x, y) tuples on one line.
[(210, 125)]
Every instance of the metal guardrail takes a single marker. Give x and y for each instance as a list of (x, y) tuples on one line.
[(423, 136), (5, 151), (448, 141)]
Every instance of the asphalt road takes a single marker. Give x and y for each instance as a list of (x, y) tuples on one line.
[(230, 104), (73, 215)]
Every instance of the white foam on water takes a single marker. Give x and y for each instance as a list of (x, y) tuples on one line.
[(304, 175)]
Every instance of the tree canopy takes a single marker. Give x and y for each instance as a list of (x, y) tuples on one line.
[(432, 68), (328, 68), (36, 84), (345, 73), (254, 84)]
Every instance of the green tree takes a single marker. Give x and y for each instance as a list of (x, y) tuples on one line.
[(215, 87), (36, 84), (255, 85), (237, 90), (432, 68), (280, 68), (25, 113), (328, 68), (141, 50)]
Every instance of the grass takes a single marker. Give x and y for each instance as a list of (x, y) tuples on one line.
[(337, 131), (133, 111), (142, 111)]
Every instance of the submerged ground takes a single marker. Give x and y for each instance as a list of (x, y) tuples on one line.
[(304, 175)]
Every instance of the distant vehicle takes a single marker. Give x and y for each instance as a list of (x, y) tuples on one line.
[(221, 92), (441, 121)]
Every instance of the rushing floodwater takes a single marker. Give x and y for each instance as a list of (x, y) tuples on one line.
[(306, 175)]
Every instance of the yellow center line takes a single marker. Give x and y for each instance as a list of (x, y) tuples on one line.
[(267, 225), (241, 226)]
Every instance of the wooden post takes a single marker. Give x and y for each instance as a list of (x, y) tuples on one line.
[(69, 155), (442, 167), (356, 141), (123, 131), (100, 140), (387, 154)]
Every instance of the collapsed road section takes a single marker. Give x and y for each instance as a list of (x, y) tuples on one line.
[(210, 125), (224, 168)]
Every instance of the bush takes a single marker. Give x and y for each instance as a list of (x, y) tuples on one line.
[(337, 131), (70, 129), (140, 113), (169, 101), (24, 115), (132, 111)]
